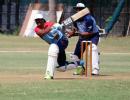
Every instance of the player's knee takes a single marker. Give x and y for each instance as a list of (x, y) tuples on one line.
[(53, 50), (94, 47)]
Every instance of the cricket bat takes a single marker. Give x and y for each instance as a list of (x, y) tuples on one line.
[(75, 17)]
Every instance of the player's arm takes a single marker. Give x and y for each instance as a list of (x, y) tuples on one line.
[(86, 33)]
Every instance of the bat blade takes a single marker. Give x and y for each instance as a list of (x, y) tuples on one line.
[(76, 16), (80, 14)]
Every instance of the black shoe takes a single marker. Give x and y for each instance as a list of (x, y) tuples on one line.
[(95, 74)]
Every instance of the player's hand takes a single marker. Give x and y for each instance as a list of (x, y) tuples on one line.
[(57, 26), (69, 33)]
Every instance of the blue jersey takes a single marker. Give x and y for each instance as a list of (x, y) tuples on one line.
[(87, 24), (53, 36)]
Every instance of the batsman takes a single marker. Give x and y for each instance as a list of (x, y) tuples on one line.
[(88, 31), (58, 42)]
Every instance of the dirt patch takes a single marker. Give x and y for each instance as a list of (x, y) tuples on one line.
[(69, 75), (15, 78)]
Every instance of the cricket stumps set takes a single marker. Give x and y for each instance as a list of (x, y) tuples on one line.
[(87, 45)]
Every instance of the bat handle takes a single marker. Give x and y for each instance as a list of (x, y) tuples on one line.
[(62, 24)]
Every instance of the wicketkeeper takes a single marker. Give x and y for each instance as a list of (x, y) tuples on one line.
[(88, 31)]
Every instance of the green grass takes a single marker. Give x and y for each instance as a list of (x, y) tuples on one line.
[(21, 62), (115, 63), (115, 59), (115, 44), (67, 90)]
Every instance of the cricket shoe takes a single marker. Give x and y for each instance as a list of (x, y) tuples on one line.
[(95, 72), (48, 76), (61, 68), (68, 66), (71, 65), (80, 70)]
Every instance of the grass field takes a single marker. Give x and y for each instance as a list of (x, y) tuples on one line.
[(23, 63)]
